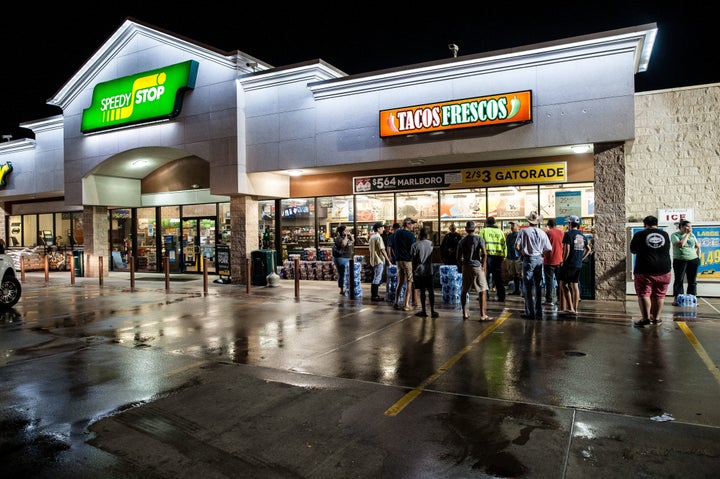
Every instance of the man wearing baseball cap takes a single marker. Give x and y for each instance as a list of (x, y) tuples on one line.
[(403, 240), (575, 249), (472, 258), (378, 258)]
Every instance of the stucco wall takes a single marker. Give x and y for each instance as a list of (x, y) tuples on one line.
[(674, 161)]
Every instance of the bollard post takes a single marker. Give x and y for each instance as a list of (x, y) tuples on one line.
[(22, 268), (132, 272), (72, 272), (247, 274), (351, 278), (205, 277), (100, 269), (47, 270), (297, 277), (166, 267)]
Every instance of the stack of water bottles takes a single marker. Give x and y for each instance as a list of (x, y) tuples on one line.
[(353, 280), (450, 283), (687, 300), (391, 283)]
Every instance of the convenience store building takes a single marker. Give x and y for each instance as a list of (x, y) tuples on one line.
[(168, 148)]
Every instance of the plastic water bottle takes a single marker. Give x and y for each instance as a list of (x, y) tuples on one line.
[(687, 301)]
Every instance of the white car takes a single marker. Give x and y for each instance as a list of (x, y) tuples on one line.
[(10, 288)]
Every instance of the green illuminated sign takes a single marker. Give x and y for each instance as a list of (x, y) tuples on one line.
[(147, 96)]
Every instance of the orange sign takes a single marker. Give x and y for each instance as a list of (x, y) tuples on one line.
[(513, 107)]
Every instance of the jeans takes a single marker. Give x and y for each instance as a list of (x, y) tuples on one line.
[(378, 273), (682, 267), (532, 281), (342, 265), (550, 273), (494, 269)]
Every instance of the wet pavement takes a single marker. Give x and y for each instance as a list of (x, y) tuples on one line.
[(117, 382)]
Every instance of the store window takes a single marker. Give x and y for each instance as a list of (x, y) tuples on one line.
[(340, 210), (170, 235), (266, 227), (16, 230), (29, 230), (372, 209), (120, 238), (146, 240), (297, 218), (421, 206), (560, 201), (460, 206), (224, 222)]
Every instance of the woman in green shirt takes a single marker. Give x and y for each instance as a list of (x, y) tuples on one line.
[(686, 259)]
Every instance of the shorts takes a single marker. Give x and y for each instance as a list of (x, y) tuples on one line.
[(474, 276), (569, 274), (405, 272), (651, 285)]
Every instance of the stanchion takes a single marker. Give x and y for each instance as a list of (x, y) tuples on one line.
[(351, 278), (132, 272), (166, 267), (247, 274), (72, 272), (205, 277), (47, 269), (22, 268), (100, 269), (297, 277)]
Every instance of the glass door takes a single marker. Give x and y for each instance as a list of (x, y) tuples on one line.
[(198, 243)]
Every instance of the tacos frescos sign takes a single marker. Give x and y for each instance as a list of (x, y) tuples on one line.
[(505, 108), (147, 96)]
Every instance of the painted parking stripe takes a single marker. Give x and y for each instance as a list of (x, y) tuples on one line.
[(395, 409), (700, 350)]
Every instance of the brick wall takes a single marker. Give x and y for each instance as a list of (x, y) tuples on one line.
[(674, 161)]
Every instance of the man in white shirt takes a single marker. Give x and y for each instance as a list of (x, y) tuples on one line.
[(532, 243)]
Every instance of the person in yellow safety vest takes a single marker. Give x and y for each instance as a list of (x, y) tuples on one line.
[(496, 247)]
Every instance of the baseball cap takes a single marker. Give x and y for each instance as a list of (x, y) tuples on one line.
[(409, 221), (470, 226), (573, 219), (377, 226)]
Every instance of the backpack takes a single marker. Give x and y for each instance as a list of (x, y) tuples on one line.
[(336, 252)]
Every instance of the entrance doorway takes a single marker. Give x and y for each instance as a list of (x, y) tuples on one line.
[(199, 239)]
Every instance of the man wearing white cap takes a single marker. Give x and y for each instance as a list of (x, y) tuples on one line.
[(575, 250), (533, 243)]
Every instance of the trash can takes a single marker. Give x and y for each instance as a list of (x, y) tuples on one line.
[(587, 278), (78, 263), (262, 263)]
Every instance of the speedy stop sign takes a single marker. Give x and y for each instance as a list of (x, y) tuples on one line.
[(671, 216)]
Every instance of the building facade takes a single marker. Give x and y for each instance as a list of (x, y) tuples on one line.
[(178, 155)]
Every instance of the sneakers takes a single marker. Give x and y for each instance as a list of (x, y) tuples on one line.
[(421, 314), (641, 323), (435, 314)]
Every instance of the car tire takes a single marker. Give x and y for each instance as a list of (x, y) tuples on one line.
[(10, 291)]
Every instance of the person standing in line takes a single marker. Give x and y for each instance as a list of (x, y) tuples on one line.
[(496, 248), (533, 244), (472, 256), (403, 239), (378, 258), (391, 242), (686, 259), (575, 249), (422, 251), (652, 271), (513, 261), (448, 246), (551, 264), (345, 246)]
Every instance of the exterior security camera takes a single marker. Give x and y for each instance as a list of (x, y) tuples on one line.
[(454, 49)]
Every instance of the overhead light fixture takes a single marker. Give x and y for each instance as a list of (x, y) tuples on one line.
[(416, 161), (580, 148), (140, 163), (294, 172)]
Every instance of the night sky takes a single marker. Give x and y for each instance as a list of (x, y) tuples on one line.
[(42, 49)]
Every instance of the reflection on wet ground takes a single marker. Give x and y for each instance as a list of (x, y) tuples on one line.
[(320, 386)]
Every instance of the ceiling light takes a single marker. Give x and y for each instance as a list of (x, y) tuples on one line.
[(580, 148), (140, 163), (294, 172)]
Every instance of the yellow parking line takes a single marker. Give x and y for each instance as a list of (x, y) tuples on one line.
[(700, 350), (404, 401)]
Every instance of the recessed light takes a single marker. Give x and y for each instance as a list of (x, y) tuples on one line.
[(294, 172), (140, 163), (580, 148)]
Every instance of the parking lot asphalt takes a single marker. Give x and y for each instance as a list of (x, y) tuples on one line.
[(297, 381)]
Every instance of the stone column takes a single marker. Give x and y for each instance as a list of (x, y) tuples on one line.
[(610, 237), (243, 236), (96, 242)]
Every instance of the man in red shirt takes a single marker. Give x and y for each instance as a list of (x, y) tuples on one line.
[(551, 263)]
